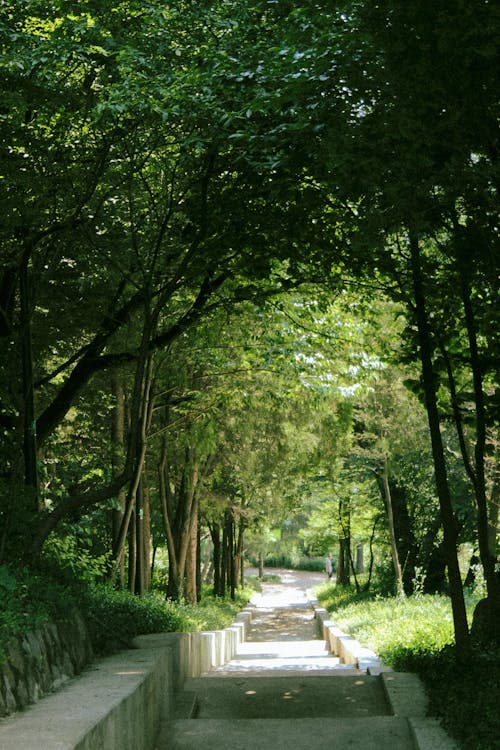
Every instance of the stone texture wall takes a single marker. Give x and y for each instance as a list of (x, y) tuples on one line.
[(41, 661)]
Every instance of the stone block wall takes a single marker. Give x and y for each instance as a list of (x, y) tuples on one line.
[(41, 661)]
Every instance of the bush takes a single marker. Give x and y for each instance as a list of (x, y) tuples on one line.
[(115, 617), (465, 697), (292, 562), (28, 599), (69, 580), (416, 635)]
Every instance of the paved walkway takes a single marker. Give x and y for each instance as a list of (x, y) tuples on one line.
[(285, 690)]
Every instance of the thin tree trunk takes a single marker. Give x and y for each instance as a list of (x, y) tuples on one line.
[(372, 556), (217, 555), (118, 448), (488, 560), (462, 639), (191, 588), (142, 409), (29, 421), (139, 540), (146, 527), (231, 555), (392, 533), (261, 565), (132, 553), (198, 563), (345, 560), (225, 565)]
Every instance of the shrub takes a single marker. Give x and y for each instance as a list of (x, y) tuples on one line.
[(29, 599), (292, 562), (115, 617), (416, 635)]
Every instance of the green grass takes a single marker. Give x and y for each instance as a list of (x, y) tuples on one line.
[(416, 634), (422, 624)]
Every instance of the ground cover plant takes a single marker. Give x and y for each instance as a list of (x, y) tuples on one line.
[(416, 634), (113, 617)]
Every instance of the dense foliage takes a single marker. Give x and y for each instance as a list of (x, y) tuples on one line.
[(416, 635), (249, 265), (113, 618)]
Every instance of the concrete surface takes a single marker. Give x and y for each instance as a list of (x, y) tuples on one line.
[(376, 733), (114, 704), (285, 671), (289, 697), (285, 688)]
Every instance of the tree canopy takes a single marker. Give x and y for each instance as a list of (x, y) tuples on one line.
[(201, 204)]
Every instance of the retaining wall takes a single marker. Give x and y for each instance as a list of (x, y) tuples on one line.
[(41, 661), (119, 703), (347, 648)]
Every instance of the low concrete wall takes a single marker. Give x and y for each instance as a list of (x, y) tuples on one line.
[(347, 648), (120, 702)]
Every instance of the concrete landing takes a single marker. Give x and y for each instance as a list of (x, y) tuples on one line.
[(284, 690), (311, 656), (289, 697), (376, 733)]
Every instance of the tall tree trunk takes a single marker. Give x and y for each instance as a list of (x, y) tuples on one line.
[(132, 553), (139, 537), (488, 560), (146, 527), (198, 563), (117, 457), (462, 639), (224, 570), (345, 559), (392, 534), (493, 516), (231, 555), (140, 420), (240, 573), (344, 563), (217, 556), (28, 398), (191, 587), (372, 556)]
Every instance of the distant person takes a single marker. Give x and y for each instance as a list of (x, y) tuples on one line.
[(329, 566)]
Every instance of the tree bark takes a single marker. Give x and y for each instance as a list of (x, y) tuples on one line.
[(448, 520), (139, 586), (392, 534), (217, 557), (345, 559), (488, 560), (146, 526), (191, 587), (179, 508), (132, 554), (28, 399), (118, 450)]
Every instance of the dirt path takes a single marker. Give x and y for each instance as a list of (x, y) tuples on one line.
[(283, 611)]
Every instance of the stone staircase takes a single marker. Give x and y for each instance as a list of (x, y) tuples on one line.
[(286, 691)]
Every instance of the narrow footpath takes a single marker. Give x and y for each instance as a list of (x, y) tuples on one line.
[(285, 690)]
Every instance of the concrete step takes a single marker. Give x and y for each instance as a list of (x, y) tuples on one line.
[(290, 696), (374, 733), (255, 657)]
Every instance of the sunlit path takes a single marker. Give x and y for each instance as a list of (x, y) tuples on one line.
[(284, 634), (285, 689)]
